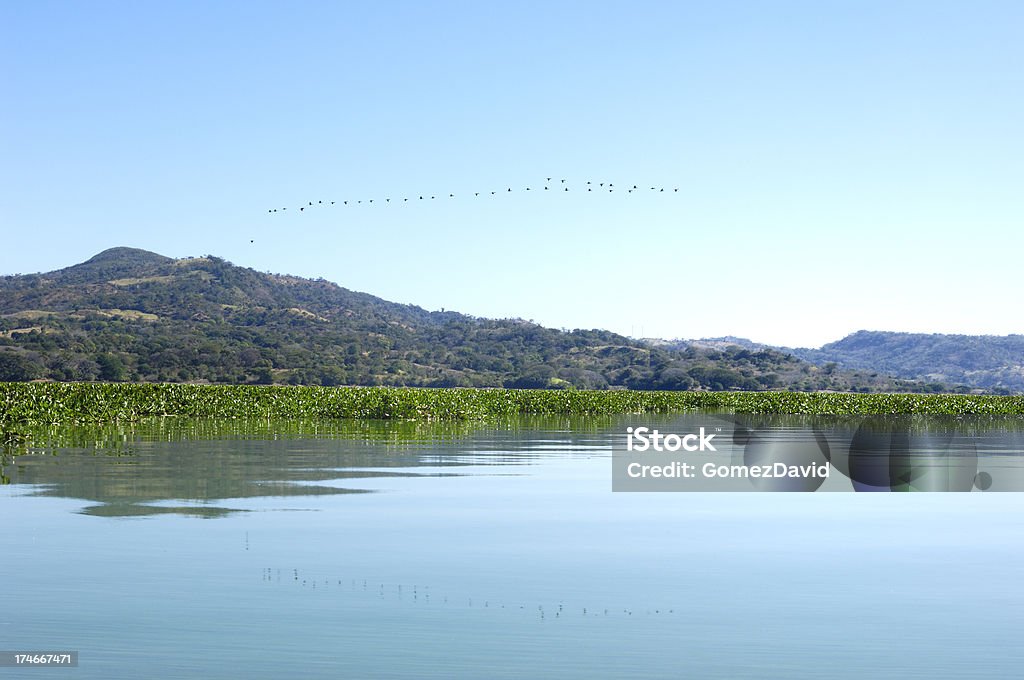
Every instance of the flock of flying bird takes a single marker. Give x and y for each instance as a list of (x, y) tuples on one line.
[(561, 185)]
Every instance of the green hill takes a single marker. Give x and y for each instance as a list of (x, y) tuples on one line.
[(994, 363), (129, 314)]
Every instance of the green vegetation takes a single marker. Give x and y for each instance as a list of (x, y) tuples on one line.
[(84, 403), (994, 363), (134, 316)]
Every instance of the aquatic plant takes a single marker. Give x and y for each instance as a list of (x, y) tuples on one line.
[(116, 402), (13, 438)]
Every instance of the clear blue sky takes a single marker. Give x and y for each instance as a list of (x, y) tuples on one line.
[(840, 165)]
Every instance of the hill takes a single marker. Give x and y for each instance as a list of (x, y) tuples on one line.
[(995, 363), (129, 314)]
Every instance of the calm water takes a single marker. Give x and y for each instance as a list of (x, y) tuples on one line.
[(375, 550)]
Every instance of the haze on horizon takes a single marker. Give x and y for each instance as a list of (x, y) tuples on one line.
[(840, 167)]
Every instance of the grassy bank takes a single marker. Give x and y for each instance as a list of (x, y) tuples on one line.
[(97, 403)]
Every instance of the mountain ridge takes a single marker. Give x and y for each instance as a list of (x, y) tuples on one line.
[(131, 314), (992, 362), (989, 362)]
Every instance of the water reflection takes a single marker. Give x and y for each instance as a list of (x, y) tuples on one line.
[(190, 467), (206, 468), (359, 593), (417, 550)]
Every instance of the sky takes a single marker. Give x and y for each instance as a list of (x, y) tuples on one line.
[(840, 165)]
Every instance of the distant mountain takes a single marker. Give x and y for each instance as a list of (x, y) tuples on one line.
[(129, 314), (979, 362), (995, 363)]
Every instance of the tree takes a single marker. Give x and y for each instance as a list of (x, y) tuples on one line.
[(111, 367), (264, 376), (534, 377), (675, 379), (16, 368)]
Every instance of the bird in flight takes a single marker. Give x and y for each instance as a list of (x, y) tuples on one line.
[(563, 182)]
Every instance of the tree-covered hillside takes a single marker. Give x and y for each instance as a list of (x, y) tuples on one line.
[(992, 362), (128, 314)]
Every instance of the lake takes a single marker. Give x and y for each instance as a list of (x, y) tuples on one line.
[(358, 549)]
